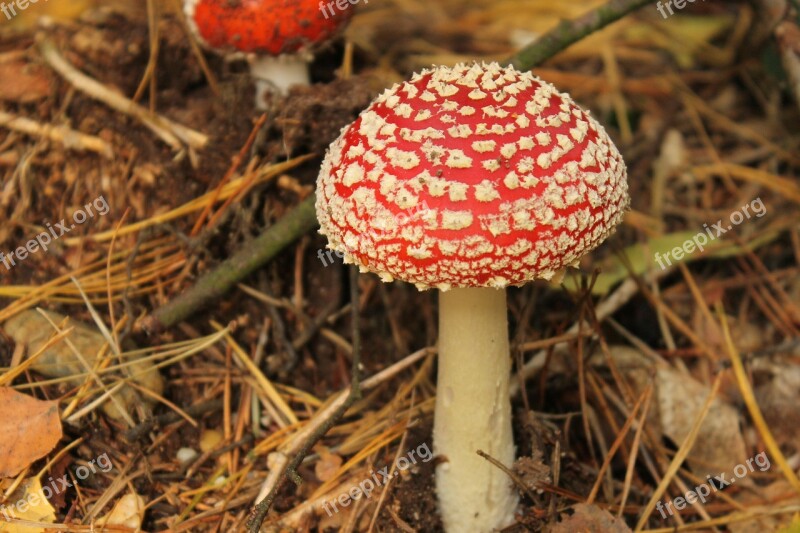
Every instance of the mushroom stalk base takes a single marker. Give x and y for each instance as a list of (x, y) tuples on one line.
[(277, 74), (473, 411)]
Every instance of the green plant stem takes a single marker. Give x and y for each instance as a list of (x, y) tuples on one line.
[(569, 32), (252, 256)]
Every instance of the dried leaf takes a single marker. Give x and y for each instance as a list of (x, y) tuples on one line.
[(328, 465), (673, 157), (746, 336), (778, 398), (30, 428), (688, 38), (32, 330), (210, 439), (720, 445), (128, 512), (590, 519), (57, 10), (22, 82), (679, 398), (778, 491)]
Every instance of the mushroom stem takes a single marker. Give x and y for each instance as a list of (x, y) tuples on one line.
[(473, 411), (277, 74)]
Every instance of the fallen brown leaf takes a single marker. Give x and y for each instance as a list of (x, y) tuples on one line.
[(590, 519), (30, 429), (32, 330), (23, 83), (328, 465)]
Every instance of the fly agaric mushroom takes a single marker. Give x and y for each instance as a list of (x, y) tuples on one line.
[(518, 182), (277, 35)]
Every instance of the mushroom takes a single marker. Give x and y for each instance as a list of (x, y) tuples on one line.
[(516, 182), (277, 36)]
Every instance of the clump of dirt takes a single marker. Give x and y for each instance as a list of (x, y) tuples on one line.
[(309, 118)]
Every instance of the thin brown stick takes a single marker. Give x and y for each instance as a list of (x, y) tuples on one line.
[(510, 473), (172, 133), (71, 139), (198, 53)]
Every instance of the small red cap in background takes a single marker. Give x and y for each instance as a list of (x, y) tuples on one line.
[(271, 27)]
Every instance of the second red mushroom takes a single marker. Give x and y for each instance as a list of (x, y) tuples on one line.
[(277, 36)]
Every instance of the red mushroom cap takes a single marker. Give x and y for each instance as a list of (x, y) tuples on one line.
[(470, 176), (263, 26)]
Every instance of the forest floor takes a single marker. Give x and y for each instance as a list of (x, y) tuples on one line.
[(176, 428)]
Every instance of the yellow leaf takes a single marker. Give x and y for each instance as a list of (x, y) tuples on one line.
[(27, 17), (685, 36), (128, 512), (793, 527), (27, 503)]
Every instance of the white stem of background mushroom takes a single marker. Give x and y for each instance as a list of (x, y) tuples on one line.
[(473, 411), (278, 74)]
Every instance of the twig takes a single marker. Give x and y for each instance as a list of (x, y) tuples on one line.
[(172, 133), (289, 470), (71, 139), (509, 472), (572, 31), (198, 53), (248, 259)]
